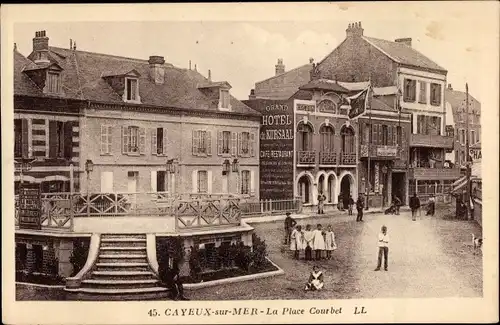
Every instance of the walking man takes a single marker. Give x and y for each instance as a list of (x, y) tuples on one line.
[(350, 203), (397, 204), (289, 225), (414, 206), (360, 206), (383, 248), (321, 203)]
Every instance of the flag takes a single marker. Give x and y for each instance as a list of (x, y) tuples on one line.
[(360, 102)]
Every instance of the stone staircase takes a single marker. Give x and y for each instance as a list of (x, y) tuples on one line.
[(121, 272)]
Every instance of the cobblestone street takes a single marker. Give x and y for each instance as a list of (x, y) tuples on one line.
[(430, 257)]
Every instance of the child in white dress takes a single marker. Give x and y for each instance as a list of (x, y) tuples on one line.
[(308, 242), (330, 243), (296, 241), (315, 280), (318, 242)]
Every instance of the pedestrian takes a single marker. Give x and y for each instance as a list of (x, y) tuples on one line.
[(431, 206), (321, 203), (330, 243), (383, 248), (174, 283), (318, 241), (340, 204), (397, 204), (350, 203), (296, 242), (308, 242), (414, 206), (360, 205), (315, 280), (289, 226)]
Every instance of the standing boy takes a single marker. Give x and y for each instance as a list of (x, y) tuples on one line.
[(360, 206), (350, 203), (414, 206), (321, 203), (383, 248), (289, 225)]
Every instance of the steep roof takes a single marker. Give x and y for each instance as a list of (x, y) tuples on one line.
[(456, 98), (403, 54), (83, 73), (324, 84), (23, 85), (272, 88)]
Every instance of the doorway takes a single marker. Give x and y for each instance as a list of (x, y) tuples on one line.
[(398, 186), (305, 189), (132, 180), (345, 187)]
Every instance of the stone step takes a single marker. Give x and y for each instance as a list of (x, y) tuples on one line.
[(122, 239), (121, 260), (124, 236), (111, 244), (106, 291), (119, 284), (124, 273), (111, 249), (123, 256)]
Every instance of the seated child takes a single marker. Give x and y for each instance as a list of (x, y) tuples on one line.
[(315, 280)]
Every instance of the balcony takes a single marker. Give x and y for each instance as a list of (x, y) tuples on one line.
[(348, 158), (433, 141), (306, 157), (328, 158), (380, 151), (422, 173)]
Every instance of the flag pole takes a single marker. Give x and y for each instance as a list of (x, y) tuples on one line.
[(369, 146)]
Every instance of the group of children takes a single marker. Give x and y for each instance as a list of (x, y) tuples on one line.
[(309, 240)]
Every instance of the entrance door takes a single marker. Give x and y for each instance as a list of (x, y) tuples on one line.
[(132, 185), (345, 187), (398, 186)]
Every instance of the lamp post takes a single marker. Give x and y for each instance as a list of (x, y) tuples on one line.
[(89, 167)]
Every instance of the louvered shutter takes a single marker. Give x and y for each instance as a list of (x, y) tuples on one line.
[(209, 181), (125, 139), (142, 141), (219, 142), (154, 142), (390, 140), (110, 139), (240, 147), (53, 139), (209, 142), (25, 137), (252, 144), (252, 182), (154, 181), (196, 141), (68, 139), (194, 178), (234, 143), (165, 138), (104, 139)]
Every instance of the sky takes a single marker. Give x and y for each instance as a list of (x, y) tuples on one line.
[(244, 51)]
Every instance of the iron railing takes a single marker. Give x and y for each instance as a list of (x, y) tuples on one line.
[(328, 157), (348, 158), (306, 157), (270, 206)]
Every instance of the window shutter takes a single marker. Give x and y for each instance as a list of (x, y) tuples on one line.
[(209, 181), (142, 141), (110, 139), (209, 142), (24, 137), (68, 139), (125, 139), (154, 142), (154, 183), (196, 141), (53, 141), (252, 182), (240, 147), (234, 143), (104, 139), (390, 140), (164, 141), (219, 142), (252, 144), (194, 178)]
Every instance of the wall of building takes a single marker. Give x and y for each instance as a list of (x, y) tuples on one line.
[(283, 85)]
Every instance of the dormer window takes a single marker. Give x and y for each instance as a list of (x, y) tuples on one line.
[(224, 102), (53, 82), (132, 89)]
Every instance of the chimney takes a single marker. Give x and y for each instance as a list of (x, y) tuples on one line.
[(354, 30), (252, 94), (41, 47), (195, 68), (156, 69), (406, 41), (209, 75), (15, 46), (189, 64), (311, 60), (450, 87), (70, 44), (280, 67)]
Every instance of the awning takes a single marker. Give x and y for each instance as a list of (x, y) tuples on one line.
[(51, 178)]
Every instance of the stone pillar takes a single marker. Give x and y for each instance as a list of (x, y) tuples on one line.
[(49, 259), (246, 238), (64, 255), (30, 258), (184, 266)]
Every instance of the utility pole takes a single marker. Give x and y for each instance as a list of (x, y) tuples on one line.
[(369, 147), (468, 163)]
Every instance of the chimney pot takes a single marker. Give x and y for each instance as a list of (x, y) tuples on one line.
[(209, 75), (156, 69), (156, 59), (280, 67), (450, 87), (189, 64), (252, 94), (406, 41), (354, 29), (41, 47), (311, 60), (15, 46), (195, 68)]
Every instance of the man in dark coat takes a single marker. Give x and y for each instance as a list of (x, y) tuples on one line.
[(360, 205), (397, 203), (414, 206), (289, 225), (171, 279)]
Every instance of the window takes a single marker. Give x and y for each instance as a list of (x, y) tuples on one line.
[(159, 141), (53, 82), (385, 135), (202, 181), (327, 138), (202, 143), (131, 89), (106, 139), (305, 135), (435, 94), (430, 125), (244, 144), (399, 136), (462, 136), (161, 181), (60, 139), (134, 140), (245, 182), (409, 90), (224, 99), (422, 97), (224, 143), (472, 137), (348, 142), (21, 145)]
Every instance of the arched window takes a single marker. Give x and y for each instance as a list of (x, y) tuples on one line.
[(328, 106), (327, 134), (305, 137), (348, 141)]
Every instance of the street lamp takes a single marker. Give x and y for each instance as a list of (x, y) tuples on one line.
[(226, 165), (236, 166), (89, 167)]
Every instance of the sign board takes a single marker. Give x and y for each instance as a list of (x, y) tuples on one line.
[(276, 148), (387, 151), (30, 207), (22, 166), (475, 154)]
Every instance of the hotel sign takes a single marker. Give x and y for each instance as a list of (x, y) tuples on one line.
[(276, 148), (387, 151), (30, 207)]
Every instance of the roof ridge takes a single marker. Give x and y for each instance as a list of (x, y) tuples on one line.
[(100, 54), (296, 68)]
